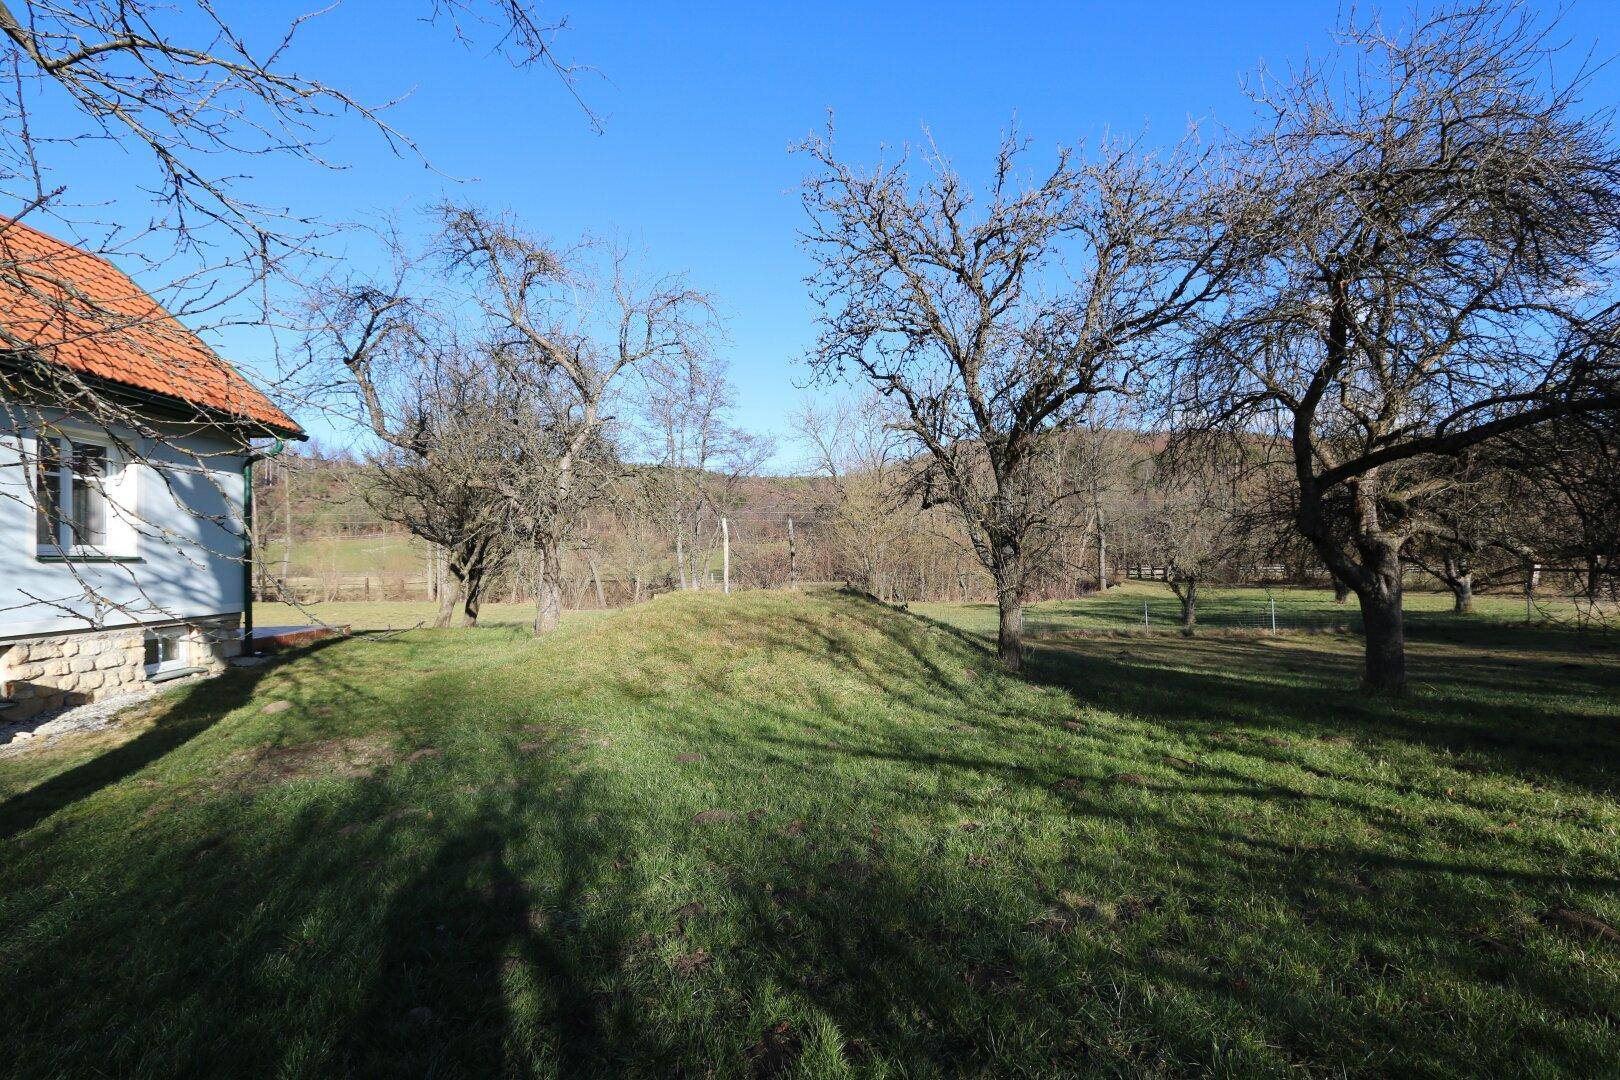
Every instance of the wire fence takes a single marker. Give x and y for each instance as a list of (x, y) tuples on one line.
[(1222, 611), (1253, 610)]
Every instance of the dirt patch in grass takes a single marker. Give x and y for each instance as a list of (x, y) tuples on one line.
[(1072, 910), (689, 964), (990, 977), (329, 758), (774, 1052), (1580, 924)]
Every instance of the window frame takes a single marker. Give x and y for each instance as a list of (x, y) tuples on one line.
[(111, 486), (175, 637), (87, 496)]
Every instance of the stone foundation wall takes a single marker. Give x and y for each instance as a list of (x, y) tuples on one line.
[(71, 669)]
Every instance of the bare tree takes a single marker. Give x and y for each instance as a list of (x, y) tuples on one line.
[(433, 397), (1194, 518), (1569, 505), (190, 100), (1108, 448), (190, 92), (569, 325), (992, 323), (700, 456), (491, 367), (1438, 227), (1474, 513), (869, 512)]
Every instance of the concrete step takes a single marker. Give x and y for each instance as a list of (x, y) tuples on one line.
[(272, 639)]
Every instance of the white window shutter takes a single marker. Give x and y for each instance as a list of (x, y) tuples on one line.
[(124, 511)]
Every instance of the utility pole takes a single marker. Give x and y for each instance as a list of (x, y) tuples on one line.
[(287, 511), (793, 559), (725, 556), (256, 584), (1102, 555)]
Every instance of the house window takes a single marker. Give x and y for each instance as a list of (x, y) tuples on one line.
[(88, 500), (70, 494), (48, 493), (163, 650)]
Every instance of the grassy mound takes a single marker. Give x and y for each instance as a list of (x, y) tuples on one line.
[(809, 835)]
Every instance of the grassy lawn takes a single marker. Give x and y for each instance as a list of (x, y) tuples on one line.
[(393, 614), (1246, 608), (348, 555), (810, 835)]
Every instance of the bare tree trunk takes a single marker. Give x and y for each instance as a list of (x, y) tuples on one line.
[(1457, 577), (1080, 560), (1187, 593), (1341, 591), (680, 555), (793, 559), (449, 597), (1009, 607), (1462, 594), (474, 591), (1102, 557), (596, 576), (1009, 627), (548, 591), (1384, 623)]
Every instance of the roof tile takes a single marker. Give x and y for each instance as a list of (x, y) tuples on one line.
[(83, 313)]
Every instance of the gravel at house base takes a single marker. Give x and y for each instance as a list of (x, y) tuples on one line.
[(46, 728)]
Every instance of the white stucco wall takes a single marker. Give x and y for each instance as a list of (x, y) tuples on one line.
[(183, 564)]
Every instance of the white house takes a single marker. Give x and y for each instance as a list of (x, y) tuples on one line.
[(124, 461)]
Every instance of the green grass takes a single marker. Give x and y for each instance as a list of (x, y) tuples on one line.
[(393, 614), (347, 554), (814, 835), (1237, 608)]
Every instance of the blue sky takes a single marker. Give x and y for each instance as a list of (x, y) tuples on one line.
[(701, 102)]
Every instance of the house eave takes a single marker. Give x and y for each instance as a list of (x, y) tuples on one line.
[(181, 410)]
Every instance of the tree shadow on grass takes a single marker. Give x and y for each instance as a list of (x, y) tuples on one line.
[(516, 927), (195, 710), (497, 960), (1483, 706), (916, 961), (1502, 730), (434, 916)]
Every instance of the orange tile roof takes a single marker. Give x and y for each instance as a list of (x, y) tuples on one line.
[(79, 311)]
